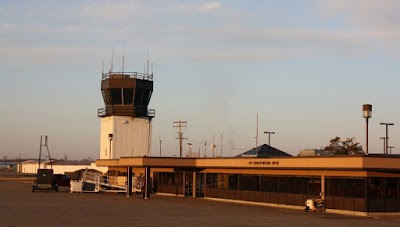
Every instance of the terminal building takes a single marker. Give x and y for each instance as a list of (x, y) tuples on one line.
[(360, 184)]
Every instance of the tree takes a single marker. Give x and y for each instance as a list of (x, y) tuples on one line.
[(344, 147)]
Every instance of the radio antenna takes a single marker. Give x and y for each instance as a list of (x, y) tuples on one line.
[(102, 67), (112, 59), (147, 61), (123, 56)]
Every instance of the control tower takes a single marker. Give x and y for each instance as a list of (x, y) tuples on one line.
[(125, 119)]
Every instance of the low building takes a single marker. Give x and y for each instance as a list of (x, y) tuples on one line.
[(264, 151), (314, 152), (8, 166), (363, 184), (61, 167)]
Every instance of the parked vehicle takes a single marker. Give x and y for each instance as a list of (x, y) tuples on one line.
[(62, 180), (315, 205), (45, 181)]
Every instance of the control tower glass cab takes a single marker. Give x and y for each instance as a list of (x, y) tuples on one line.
[(125, 119)]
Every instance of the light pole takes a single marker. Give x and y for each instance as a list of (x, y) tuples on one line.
[(387, 137), (367, 113), (221, 146), (390, 149), (110, 138), (213, 146), (190, 149), (205, 149), (384, 143), (269, 137), (160, 146)]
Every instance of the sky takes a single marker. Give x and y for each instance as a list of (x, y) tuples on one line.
[(305, 67)]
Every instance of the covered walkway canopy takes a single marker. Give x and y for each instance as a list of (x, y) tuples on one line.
[(364, 183)]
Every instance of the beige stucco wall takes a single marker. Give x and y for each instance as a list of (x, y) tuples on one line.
[(105, 129), (30, 167), (60, 169), (131, 137)]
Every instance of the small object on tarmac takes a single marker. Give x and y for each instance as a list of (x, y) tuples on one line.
[(315, 205)]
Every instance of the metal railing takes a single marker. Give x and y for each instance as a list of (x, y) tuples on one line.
[(127, 75), (136, 111), (151, 112)]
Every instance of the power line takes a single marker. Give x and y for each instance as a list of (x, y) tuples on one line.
[(235, 148)]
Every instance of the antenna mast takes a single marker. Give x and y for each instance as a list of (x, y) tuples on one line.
[(221, 145), (205, 148), (213, 146), (102, 67), (44, 143), (112, 58), (123, 57), (147, 61), (257, 137)]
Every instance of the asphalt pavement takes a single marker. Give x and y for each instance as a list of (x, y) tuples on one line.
[(19, 206)]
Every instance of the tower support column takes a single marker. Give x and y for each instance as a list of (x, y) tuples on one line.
[(146, 182), (129, 182), (194, 185)]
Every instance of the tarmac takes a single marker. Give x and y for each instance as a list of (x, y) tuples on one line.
[(19, 206)]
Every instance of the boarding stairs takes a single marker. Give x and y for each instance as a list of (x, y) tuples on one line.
[(105, 183)]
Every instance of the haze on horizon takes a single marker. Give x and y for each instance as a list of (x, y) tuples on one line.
[(306, 67)]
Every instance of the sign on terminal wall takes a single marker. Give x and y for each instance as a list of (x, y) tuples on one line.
[(266, 163)]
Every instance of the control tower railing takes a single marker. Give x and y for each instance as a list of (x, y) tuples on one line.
[(130, 75), (135, 111)]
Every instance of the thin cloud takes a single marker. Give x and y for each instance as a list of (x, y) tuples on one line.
[(195, 8), (379, 20), (364, 12), (110, 10), (237, 43), (100, 25), (185, 43)]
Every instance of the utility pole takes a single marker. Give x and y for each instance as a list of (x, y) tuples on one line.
[(221, 145), (160, 144), (205, 148), (257, 137), (179, 126)]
